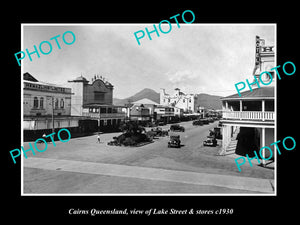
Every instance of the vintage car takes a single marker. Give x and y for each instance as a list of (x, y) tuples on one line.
[(210, 120), (204, 121), (217, 133), (158, 131), (220, 124), (174, 141), (197, 123), (177, 127), (210, 141)]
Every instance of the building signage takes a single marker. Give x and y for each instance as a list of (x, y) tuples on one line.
[(257, 48)]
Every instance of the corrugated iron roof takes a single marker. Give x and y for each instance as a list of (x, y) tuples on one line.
[(146, 101), (257, 93), (101, 104)]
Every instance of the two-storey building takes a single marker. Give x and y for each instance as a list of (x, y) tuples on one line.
[(164, 113), (46, 107), (186, 102), (138, 112), (252, 116), (94, 100)]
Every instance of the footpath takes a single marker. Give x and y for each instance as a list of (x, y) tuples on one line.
[(264, 186)]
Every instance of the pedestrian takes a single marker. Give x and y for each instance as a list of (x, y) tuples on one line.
[(44, 136), (98, 138)]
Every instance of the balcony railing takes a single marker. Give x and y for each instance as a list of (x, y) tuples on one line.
[(249, 115), (104, 115)]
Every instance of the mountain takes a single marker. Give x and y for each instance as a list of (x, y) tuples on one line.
[(145, 93), (205, 100)]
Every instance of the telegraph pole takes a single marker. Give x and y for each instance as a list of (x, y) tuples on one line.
[(52, 114)]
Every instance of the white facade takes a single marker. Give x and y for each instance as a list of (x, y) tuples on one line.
[(38, 97), (42, 100), (254, 111), (179, 100)]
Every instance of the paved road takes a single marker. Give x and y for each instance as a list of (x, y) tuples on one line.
[(192, 158), (152, 174)]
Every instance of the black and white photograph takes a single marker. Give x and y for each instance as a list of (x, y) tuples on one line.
[(150, 111), (106, 112)]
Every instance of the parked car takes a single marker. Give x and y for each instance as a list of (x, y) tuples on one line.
[(161, 123), (204, 121), (174, 141), (158, 131), (217, 132), (210, 119), (177, 127), (197, 123), (150, 124), (210, 141)]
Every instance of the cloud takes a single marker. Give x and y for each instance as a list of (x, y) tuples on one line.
[(181, 77)]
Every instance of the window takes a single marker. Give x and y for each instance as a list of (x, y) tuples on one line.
[(190, 100), (183, 100), (56, 103), (35, 102), (41, 103), (102, 110), (62, 103)]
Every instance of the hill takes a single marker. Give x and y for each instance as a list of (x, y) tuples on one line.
[(204, 100), (145, 93), (209, 101)]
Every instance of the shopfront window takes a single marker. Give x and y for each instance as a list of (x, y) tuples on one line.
[(41, 103), (35, 102), (102, 110), (62, 103), (56, 103)]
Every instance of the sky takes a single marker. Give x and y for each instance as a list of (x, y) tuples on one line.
[(197, 58)]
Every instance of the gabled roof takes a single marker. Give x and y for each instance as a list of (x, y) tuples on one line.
[(257, 93), (145, 101), (27, 76)]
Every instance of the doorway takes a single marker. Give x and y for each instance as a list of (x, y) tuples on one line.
[(248, 141)]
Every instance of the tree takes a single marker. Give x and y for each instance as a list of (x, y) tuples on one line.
[(132, 127)]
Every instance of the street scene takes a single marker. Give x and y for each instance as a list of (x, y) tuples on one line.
[(153, 121), (192, 158)]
